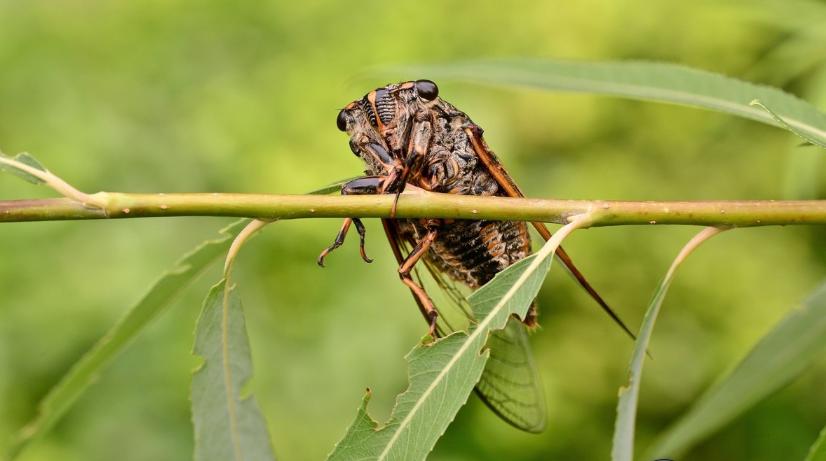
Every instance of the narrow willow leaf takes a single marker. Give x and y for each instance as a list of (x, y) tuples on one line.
[(442, 374), (637, 80), (781, 355), (61, 397), (623, 445), (228, 426), (818, 451), (26, 159), (786, 125)]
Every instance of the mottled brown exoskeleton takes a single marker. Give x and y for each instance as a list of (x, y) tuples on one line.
[(407, 135)]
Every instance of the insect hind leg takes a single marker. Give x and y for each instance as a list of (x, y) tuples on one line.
[(425, 303)]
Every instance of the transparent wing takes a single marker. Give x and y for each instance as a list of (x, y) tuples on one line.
[(510, 384)]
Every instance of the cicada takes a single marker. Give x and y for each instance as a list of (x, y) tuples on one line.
[(407, 135)]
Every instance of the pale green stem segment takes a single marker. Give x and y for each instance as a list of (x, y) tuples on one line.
[(434, 205), (248, 231), (55, 182)]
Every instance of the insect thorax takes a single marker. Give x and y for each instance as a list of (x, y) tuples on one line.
[(471, 252), (452, 166)]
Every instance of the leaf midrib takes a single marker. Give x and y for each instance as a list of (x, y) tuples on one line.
[(228, 388)]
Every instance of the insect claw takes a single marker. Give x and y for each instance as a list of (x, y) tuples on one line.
[(339, 238), (328, 250), (432, 316), (364, 256), (362, 233), (320, 259)]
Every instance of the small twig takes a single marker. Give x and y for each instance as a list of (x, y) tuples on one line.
[(247, 232), (55, 182)]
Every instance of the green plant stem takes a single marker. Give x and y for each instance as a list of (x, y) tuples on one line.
[(419, 204)]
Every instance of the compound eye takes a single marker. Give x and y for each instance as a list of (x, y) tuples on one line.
[(427, 90), (341, 121)]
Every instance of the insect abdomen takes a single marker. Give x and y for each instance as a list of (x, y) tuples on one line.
[(473, 252)]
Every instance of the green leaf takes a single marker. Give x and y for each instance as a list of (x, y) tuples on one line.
[(26, 159), (443, 373), (637, 80), (228, 425), (786, 125), (623, 445), (818, 450), (622, 448), (781, 355), (61, 397)]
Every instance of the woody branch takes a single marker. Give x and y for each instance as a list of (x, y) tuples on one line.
[(110, 205)]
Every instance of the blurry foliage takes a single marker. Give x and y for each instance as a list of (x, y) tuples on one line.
[(216, 96)]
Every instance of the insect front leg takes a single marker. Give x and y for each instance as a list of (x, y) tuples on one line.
[(425, 303), (421, 134), (361, 186), (417, 142)]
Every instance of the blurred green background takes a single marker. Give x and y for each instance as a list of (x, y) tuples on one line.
[(179, 95)]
